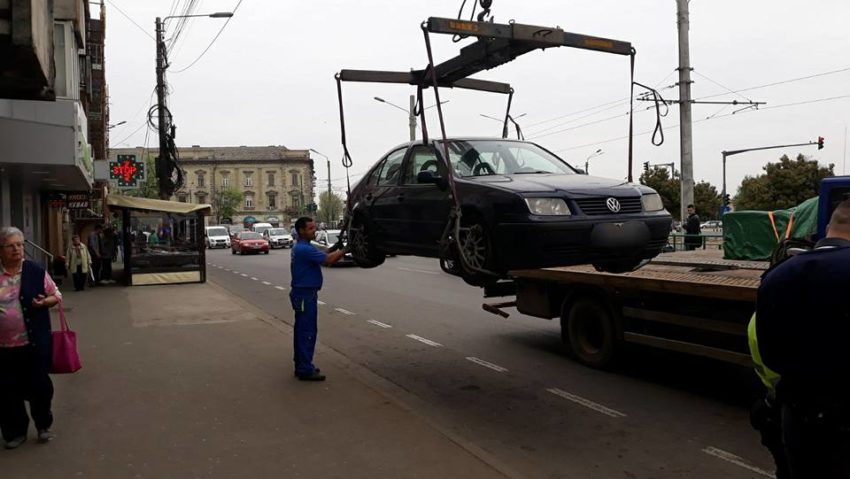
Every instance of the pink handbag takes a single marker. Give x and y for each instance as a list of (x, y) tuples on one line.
[(65, 357)]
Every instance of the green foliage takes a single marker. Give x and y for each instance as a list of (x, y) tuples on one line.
[(706, 198), (330, 207), (225, 203), (782, 185), (149, 188)]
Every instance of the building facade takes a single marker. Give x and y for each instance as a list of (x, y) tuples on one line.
[(276, 184), (46, 95)]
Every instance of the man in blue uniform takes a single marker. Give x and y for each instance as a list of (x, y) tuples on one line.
[(306, 269), (803, 328)]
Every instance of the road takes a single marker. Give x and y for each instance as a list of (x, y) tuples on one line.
[(507, 387)]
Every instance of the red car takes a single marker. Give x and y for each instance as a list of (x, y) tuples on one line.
[(249, 242)]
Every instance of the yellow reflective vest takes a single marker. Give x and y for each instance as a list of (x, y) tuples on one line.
[(769, 377)]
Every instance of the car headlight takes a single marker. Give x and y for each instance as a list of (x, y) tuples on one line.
[(548, 206), (652, 202)]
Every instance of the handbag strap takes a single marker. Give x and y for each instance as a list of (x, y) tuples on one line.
[(63, 322)]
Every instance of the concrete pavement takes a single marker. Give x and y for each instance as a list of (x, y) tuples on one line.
[(191, 381)]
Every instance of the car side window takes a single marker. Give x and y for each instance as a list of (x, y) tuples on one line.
[(391, 171), (422, 158)]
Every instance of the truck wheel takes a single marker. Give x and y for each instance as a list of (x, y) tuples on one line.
[(590, 333)]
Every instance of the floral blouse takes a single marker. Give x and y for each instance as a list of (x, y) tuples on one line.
[(13, 331)]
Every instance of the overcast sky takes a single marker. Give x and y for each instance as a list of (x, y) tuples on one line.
[(268, 78)]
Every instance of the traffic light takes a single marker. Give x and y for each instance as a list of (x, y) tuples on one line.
[(646, 166), (726, 199), (820, 143)]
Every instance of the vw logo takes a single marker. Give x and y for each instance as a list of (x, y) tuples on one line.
[(613, 205)]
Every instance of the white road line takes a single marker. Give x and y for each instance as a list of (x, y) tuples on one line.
[(254, 278), (267, 283), (235, 272), (736, 460), (280, 288), (424, 340), (379, 324), (321, 303), (227, 269), (244, 275), (587, 403), (344, 311), (414, 270), (494, 367)]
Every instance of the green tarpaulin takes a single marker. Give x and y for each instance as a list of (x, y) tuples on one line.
[(750, 235)]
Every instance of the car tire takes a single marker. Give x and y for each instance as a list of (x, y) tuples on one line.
[(233, 251), (363, 249), (620, 266), (266, 252), (590, 334), (475, 243)]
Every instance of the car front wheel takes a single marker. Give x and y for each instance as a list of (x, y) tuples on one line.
[(363, 249), (474, 244)]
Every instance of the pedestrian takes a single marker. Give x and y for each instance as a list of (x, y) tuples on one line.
[(26, 293), (802, 327), (294, 233), (109, 247), (306, 271), (693, 240), (79, 262), (95, 244)]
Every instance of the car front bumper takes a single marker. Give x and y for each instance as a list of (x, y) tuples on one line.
[(579, 241)]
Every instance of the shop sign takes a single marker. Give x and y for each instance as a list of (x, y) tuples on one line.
[(78, 201)]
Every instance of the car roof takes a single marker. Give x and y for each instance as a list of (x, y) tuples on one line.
[(460, 138)]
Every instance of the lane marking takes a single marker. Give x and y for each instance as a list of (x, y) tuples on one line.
[(379, 324), (414, 270), (254, 279), (227, 269), (736, 460), (244, 275), (344, 311), (587, 403), (280, 288), (235, 272), (486, 364), (321, 303), (267, 283), (424, 340)]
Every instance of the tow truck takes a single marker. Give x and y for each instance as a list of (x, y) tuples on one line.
[(692, 302)]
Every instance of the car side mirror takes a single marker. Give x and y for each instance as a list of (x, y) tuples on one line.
[(581, 171), (431, 177)]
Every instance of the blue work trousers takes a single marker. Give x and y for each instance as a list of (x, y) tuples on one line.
[(305, 304)]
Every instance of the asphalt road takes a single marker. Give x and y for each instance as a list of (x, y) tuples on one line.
[(506, 386)]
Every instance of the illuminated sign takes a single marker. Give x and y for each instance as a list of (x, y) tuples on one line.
[(127, 171)]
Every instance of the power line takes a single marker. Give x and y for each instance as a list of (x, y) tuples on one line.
[(722, 86), (131, 20), (211, 42), (782, 82)]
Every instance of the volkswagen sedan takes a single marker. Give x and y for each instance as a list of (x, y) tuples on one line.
[(248, 242)]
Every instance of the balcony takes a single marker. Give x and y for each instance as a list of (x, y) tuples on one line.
[(26, 50)]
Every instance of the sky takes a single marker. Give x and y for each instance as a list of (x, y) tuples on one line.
[(268, 79)]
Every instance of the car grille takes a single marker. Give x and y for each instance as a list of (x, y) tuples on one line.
[(597, 206)]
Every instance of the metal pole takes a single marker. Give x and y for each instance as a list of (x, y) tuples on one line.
[(161, 160), (330, 209), (412, 115), (685, 127), (723, 195)]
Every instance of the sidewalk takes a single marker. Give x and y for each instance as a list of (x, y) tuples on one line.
[(189, 381)]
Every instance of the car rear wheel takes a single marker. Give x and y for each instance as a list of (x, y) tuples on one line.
[(363, 249)]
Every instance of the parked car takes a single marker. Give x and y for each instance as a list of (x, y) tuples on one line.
[(247, 242), (278, 238), (261, 227), (327, 238), (712, 225), (522, 207), (217, 237)]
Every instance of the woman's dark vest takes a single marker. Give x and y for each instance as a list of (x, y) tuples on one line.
[(37, 319)]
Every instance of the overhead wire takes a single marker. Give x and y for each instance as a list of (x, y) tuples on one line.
[(782, 82), (131, 19), (722, 86), (211, 42)]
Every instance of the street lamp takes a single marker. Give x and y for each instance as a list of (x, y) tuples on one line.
[(410, 112), (164, 169), (587, 160), (109, 127)]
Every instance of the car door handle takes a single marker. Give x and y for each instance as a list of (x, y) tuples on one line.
[(369, 197), (400, 197)]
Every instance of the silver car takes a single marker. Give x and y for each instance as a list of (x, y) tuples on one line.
[(278, 238)]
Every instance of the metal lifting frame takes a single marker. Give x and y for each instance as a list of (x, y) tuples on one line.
[(496, 45)]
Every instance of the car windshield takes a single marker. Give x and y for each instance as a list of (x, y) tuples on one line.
[(278, 232), (216, 232), (497, 157), (333, 237), (250, 236)]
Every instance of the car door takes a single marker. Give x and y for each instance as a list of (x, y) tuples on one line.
[(424, 208), (383, 199)]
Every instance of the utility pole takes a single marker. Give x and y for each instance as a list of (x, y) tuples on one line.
[(685, 126), (412, 122), (162, 168)]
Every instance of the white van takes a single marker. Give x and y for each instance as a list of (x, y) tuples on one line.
[(261, 227), (217, 237)]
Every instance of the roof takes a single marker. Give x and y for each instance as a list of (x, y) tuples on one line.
[(148, 204)]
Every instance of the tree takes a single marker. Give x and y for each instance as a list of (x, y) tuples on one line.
[(330, 207), (149, 188), (707, 200), (782, 185), (668, 188), (225, 202)]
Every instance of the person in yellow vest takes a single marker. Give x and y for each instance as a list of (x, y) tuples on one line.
[(79, 262)]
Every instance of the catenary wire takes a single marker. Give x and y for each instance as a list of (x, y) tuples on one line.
[(131, 19), (211, 42)]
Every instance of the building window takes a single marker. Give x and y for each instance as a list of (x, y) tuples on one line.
[(202, 198), (271, 179), (200, 180), (225, 181), (249, 202), (272, 201), (181, 197), (294, 179), (249, 179)]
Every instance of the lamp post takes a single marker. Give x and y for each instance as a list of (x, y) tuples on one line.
[(109, 127), (411, 114), (587, 160), (163, 168), (329, 177)]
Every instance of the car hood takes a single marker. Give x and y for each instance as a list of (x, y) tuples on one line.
[(552, 183), (219, 237)]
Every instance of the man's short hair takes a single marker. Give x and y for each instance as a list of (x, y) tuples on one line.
[(301, 223), (841, 216), (690, 206)]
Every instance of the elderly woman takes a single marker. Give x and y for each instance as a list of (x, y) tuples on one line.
[(26, 293), (79, 262)]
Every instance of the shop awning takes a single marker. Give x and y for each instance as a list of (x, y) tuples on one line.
[(148, 204)]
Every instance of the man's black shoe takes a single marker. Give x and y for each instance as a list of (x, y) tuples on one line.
[(317, 370), (315, 376)]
